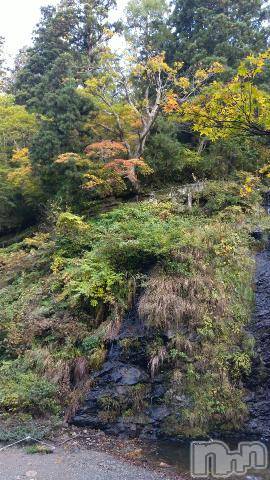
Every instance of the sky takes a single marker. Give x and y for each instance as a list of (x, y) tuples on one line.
[(19, 17)]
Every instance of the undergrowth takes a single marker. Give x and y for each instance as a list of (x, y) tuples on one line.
[(64, 291)]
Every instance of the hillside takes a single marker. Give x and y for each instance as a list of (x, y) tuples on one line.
[(134, 202), (158, 289)]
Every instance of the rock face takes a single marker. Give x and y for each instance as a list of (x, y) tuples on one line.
[(124, 398), (259, 382)]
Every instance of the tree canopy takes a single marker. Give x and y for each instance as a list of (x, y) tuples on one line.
[(238, 106), (67, 43), (92, 118), (222, 30)]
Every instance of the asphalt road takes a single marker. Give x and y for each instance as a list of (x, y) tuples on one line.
[(15, 464)]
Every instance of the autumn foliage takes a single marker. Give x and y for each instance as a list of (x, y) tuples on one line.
[(106, 149), (222, 110), (102, 169)]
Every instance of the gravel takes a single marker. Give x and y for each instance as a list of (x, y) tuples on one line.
[(15, 464)]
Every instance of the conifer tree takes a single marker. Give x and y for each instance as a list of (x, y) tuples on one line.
[(228, 30), (67, 42)]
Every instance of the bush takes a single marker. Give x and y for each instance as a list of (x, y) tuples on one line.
[(217, 196), (26, 391), (21, 425)]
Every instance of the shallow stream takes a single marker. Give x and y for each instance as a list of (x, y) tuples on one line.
[(178, 456)]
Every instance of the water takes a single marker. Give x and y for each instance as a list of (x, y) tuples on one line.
[(174, 454), (258, 382), (178, 456)]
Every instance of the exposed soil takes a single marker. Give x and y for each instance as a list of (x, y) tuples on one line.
[(84, 454)]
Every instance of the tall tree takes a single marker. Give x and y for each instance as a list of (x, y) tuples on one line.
[(18, 187), (147, 26), (78, 28), (228, 30), (127, 115), (67, 42)]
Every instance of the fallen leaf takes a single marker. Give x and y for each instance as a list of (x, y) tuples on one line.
[(135, 453), (164, 465)]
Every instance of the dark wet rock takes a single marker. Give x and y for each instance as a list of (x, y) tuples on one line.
[(123, 429), (158, 391), (258, 383), (98, 392), (124, 399), (149, 433), (86, 420), (132, 326), (257, 234), (159, 413), (108, 367), (124, 378), (139, 419), (159, 378), (250, 397), (128, 375)]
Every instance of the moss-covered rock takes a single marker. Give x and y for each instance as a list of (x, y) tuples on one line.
[(172, 289)]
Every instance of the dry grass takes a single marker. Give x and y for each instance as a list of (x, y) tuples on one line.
[(71, 377), (80, 371), (76, 398), (157, 360), (56, 371), (170, 301), (181, 299)]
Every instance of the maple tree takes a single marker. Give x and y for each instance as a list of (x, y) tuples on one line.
[(237, 107), (107, 149), (255, 181), (103, 169), (128, 98), (110, 151)]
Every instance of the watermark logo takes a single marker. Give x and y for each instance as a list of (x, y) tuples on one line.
[(215, 459)]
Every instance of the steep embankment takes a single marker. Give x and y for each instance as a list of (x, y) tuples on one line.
[(142, 311)]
